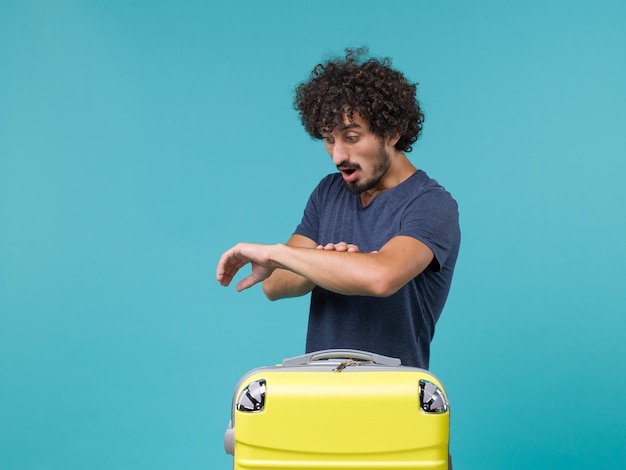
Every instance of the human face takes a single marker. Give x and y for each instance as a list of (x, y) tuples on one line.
[(360, 155)]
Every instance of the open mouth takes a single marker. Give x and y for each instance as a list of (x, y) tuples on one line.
[(348, 174), (347, 169)]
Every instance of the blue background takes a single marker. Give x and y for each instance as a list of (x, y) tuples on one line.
[(139, 140)]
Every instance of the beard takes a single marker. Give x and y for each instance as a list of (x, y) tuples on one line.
[(383, 162)]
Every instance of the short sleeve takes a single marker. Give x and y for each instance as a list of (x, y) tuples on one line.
[(433, 219), (310, 223)]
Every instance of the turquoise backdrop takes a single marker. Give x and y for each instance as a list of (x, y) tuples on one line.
[(141, 139)]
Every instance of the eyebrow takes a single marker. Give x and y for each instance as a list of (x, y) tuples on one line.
[(344, 127), (352, 125)]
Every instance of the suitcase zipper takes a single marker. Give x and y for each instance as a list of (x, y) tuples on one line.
[(345, 364)]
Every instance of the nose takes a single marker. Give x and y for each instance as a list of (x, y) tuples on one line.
[(338, 152)]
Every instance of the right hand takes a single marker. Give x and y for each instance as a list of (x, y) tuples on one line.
[(258, 256)]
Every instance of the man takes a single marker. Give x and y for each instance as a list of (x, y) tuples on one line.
[(378, 242)]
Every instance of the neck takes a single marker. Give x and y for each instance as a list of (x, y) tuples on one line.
[(400, 170)]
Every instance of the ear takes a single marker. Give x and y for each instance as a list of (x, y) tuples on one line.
[(392, 139)]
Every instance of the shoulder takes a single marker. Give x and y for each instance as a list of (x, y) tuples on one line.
[(425, 191), (425, 183), (431, 209)]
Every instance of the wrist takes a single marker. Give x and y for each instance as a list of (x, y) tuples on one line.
[(278, 254)]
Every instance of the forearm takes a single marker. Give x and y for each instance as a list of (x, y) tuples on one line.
[(284, 284), (345, 273), (296, 268)]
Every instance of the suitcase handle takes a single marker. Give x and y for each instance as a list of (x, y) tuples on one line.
[(341, 354)]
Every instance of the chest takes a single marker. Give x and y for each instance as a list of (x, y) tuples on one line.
[(369, 228)]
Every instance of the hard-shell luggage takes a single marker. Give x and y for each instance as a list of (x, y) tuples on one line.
[(339, 409)]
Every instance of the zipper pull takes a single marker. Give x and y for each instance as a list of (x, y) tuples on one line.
[(345, 364)]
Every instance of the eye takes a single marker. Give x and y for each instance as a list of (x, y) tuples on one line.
[(352, 138), (328, 139)]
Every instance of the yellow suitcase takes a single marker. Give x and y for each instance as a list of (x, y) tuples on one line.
[(339, 409)]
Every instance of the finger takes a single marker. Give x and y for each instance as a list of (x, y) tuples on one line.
[(222, 275), (227, 267), (226, 276), (247, 282), (353, 249), (244, 284)]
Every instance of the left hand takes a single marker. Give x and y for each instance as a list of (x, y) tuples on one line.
[(341, 246)]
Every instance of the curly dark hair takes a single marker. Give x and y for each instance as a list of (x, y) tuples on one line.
[(367, 86)]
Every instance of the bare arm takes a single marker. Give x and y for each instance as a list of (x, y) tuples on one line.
[(283, 283), (377, 274)]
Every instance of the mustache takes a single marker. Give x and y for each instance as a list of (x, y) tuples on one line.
[(348, 166)]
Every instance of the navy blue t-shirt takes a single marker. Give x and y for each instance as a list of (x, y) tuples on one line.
[(403, 324)]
